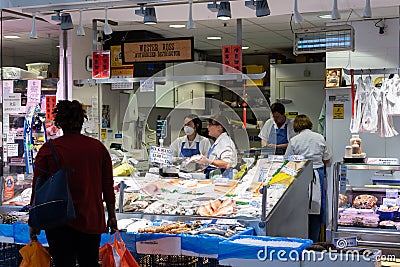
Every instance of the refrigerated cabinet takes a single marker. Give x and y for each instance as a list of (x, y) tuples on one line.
[(359, 190)]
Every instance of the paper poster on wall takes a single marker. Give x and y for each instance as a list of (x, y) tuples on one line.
[(232, 58), (103, 134), (12, 150), (105, 116), (147, 85), (101, 64), (33, 93), (51, 103), (12, 103), (338, 111), (10, 137), (8, 87)]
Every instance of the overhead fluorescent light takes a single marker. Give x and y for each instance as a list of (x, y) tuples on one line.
[(57, 46), (326, 16), (245, 47), (323, 39), (11, 37), (177, 26), (214, 37)]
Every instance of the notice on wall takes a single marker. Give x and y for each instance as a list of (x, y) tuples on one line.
[(12, 150), (33, 93), (338, 111), (160, 155), (12, 103), (162, 50), (8, 86), (51, 102), (101, 64), (232, 58)]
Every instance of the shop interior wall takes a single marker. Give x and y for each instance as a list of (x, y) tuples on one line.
[(372, 50), (305, 84)]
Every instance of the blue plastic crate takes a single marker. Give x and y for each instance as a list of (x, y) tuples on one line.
[(204, 245), (6, 233), (230, 250)]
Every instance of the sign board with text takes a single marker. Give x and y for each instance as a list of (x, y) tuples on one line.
[(160, 50)]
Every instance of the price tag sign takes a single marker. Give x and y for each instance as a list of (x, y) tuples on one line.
[(296, 158), (227, 221), (161, 128), (289, 171), (276, 158), (221, 181), (160, 155), (383, 161), (392, 193)]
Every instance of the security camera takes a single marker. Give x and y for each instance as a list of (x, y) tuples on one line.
[(381, 25)]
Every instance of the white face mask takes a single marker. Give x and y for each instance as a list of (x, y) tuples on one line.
[(188, 130)]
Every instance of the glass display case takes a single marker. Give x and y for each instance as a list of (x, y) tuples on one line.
[(266, 197), (366, 205)]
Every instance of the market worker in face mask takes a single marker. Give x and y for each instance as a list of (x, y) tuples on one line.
[(222, 155), (277, 131), (192, 143)]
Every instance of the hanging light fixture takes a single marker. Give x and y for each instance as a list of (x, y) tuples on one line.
[(224, 11), (367, 10), (190, 23), (107, 28), (298, 18), (335, 11), (66, 22), (33, 34), (80, 31), (140, 11), (150, 16), (262, 8)]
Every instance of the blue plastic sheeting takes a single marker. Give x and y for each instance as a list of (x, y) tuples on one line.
[(6, 230), (201, 244), (206, 244), (21, 234), (230, 250)]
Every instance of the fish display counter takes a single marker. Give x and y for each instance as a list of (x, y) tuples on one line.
[(270, 197)]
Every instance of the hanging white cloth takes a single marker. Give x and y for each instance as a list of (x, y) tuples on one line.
[(393, 95), (370, 111)]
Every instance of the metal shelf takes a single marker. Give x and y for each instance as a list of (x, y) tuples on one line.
[(377, 167), (224, 77)]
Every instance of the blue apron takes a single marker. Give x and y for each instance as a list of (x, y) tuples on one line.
[(188, 152), (278, 136), (226, 173)]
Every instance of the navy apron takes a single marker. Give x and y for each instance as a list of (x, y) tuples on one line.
[(188, 152), (226, 173), (281, 138)]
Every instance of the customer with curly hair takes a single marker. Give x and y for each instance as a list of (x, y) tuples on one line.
[(90, 181)]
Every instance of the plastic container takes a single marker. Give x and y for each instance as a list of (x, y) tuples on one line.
[(348, 151), (38, 68), (386, 215), (355, 142)]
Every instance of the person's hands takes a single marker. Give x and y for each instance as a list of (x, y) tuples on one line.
[(33, 232), (203, 161), (271, 146), (112, 224)]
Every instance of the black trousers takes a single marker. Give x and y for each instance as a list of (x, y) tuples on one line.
[(67, 246)]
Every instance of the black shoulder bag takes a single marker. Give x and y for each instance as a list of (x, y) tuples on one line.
[(52, 206)]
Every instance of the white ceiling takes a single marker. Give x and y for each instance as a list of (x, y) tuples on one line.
[(272, 34)]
